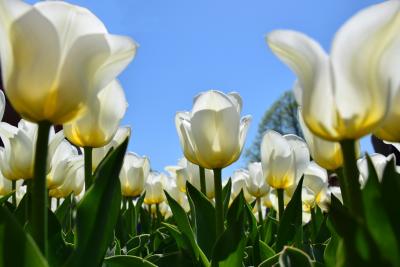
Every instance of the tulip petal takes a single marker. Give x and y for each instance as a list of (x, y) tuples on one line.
[(301, 153), (182, 123), (237, 99)]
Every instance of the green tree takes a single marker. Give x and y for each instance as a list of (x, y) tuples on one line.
[(281, 117)]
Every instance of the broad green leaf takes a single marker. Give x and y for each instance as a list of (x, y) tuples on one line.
[(334, 254), (181, 240), (376, 217), (229, 248), (58, 251), (270, 228), (204, 213), (173, 259), (63, 213), (266, 251), (124, 261), (226, 195), (5, 198), (17, 248), (97, 213), (291, 219), (184, 227), (293, 257)]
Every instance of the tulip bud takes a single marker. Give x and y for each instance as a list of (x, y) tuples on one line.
[(155, 185), (56, 57), (133, 175), (284, 159), (17, 155), (255, 182), (213, 134), (99, 124)]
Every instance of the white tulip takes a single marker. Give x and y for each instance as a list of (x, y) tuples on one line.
[(100, 152), (99, 124), (238, 179), (17, 155), (345, 95), (56, 57), (379, 161), (5, 185), (315, 184), (284, 159), (177, 195), (133, 175), (255, 183), (212, 135), (64, 152), (155, 185)]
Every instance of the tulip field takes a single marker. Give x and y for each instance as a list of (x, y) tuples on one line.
[(78, 197)]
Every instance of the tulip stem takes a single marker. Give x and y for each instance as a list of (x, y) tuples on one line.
[(260, 217), (349, 183), (39, 189), (280, 202), (203, 180), (88, 167), (219, 218), (14, 195)]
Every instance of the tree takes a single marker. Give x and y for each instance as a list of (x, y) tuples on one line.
[(281, 117)]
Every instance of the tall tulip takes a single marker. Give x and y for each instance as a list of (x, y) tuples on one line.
[(284, 159), (346, 95), (239, 184), (55, 57), (133, 175), (256, 185), (212, 136), (155, 185)]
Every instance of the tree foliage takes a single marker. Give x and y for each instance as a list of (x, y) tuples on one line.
[(281, 117)]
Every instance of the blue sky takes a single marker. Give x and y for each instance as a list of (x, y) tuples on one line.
[(191, 46)]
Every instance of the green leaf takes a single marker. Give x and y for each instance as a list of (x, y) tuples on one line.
[(5, 198), (181, 240), (204, 213), (229, 248), (184, 227), (226, 195), (334, 254), (97, 213), (17, 248), (175, 259), (293, 257), (271, 261), (270, 228), (376, 217), (291, 219), (123, 261), (266, 251), (63, 212), (58, 250)]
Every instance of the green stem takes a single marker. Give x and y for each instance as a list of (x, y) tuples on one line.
[(88, 167), (260, 217), (281, 203), (351, 185), (219, 218), (313, 223), (14, 195), (132, 216), (203, 180), (39, 189)]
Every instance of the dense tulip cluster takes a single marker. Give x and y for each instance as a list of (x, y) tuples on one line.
[(77, 198)]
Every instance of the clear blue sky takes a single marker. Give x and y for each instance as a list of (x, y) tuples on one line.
[(191, 46)]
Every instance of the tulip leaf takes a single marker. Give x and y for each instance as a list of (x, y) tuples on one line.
[(226, 195), (184, 227), (293, 257), (334, 254), (181, 240), (97, 213), (230, 246), (17, 248), (291, 219), (266, 251), (271, 261), (59, 251), (5, 198), (175, 259), (204, 214), (63, 212), (376, 217), (127, 260)]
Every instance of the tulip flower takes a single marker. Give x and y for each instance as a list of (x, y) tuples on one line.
[(63, 154), (133, 175), (119, 137), (99, 124), (5, 185), (56, 57), (239, 184), (74, 179), (180, 197), (315, 183), (155, 185), (284, 159), (17, 156), (213, 134), (378, 161), (255, 182), (327, 154)]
